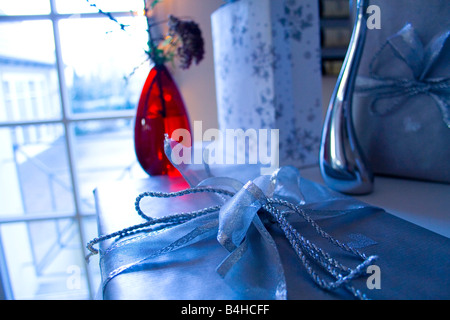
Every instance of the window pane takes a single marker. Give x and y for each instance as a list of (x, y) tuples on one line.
[(104, 151), (34, 175), (83, 6), (44, 259), (98, 55), (29, 83), (24, 7)]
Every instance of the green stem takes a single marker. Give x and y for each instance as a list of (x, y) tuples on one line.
[(151, 43), (153, 48)]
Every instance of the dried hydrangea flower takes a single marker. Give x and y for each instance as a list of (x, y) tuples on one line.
[(192, 44)]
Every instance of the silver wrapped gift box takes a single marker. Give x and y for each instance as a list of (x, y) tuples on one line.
[(401, 101)]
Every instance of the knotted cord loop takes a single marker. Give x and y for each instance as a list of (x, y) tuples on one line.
[(303, 248), (389, 92), (165, 221)]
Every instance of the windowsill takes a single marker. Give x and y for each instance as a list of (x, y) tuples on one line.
[(420, 202)]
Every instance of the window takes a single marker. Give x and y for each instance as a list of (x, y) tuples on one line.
[(66, 125)]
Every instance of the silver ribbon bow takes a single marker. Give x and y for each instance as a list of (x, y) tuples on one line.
[(407, 47), (238, 220)]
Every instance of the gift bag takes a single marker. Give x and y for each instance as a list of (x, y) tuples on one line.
[(401, 99), (268, 74)]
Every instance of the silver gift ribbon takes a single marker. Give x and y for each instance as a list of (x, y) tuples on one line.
[(238, 220), (391, 93)]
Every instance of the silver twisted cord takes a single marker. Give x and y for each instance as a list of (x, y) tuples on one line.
[(301, 246), (166, 221)]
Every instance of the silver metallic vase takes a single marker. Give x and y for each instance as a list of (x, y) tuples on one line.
[(342, 163)]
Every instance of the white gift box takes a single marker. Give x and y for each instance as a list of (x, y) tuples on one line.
[(268, 72)]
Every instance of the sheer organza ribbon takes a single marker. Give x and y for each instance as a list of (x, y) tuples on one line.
[(237, 217), (390, 92)]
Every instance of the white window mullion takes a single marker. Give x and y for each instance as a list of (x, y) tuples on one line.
[(69, 140)]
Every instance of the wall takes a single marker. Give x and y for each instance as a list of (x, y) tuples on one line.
[(197, 84)]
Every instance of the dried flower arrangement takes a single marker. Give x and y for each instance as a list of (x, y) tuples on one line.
[(184, 40)]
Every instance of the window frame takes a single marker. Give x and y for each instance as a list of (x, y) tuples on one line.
[(66, 119)]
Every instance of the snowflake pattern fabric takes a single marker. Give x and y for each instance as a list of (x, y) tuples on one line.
[(268, 74)]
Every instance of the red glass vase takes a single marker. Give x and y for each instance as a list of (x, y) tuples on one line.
[(161, 110)]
